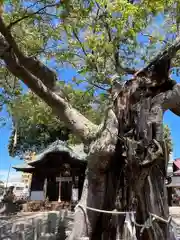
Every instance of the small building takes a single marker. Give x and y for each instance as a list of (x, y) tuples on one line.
[(174, 185), (27, 177), (57, 173)]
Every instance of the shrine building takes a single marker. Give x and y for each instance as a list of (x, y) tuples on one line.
[(57, 173)]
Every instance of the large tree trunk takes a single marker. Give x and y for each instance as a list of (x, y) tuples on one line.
[(129, 175)]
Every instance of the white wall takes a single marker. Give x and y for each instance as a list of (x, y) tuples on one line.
[(37, 196), (170, 164), (175, 181)]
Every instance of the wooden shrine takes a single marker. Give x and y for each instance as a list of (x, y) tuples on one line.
[(57, 173)]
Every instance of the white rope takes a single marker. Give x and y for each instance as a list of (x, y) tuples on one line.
[(160, 218), (109, 212), (147, 224)]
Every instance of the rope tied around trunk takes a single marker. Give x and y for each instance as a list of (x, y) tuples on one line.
[(147, 224), (108, 212)]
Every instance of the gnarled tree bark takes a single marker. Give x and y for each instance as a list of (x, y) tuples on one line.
[(127, 156)]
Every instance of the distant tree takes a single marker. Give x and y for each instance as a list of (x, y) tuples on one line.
[(35, 125), (168, 138)]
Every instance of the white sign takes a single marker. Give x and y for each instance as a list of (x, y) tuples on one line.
[(63, 179), (75, 194)]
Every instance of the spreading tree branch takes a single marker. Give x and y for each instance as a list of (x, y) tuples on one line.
[(31, 14), (46, 75), (79, 41), (161, 65), (171, 100), (116, 42), (41, 80), (164, 56)]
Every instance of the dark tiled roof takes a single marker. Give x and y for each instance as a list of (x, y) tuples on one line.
[(23, 167), (75, 151)]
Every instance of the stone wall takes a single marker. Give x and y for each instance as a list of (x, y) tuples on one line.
[(37, 226)]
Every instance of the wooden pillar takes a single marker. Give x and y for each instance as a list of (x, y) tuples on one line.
[(59, 198), (45, 189), (169, 190), (75, 189), (81, 182)]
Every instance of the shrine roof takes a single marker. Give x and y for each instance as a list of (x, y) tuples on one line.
[(23, 167), (75, 151)]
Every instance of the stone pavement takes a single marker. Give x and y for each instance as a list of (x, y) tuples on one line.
[(53, 225), (175, 213)]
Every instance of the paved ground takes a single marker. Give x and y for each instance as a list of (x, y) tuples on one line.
[(175, 213), (25, 219)]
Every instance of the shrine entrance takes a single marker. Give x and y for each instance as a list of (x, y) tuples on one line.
[(62, 189), (66, 191), (65, 188), (59, 189), (52, 190)]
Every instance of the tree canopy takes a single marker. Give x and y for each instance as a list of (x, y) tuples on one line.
[(96, 38)]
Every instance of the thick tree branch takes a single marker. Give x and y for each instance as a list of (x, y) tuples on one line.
[(162, 57), (116, 42), (46, 75), (171, 100), (127, 70), (26, 71)]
